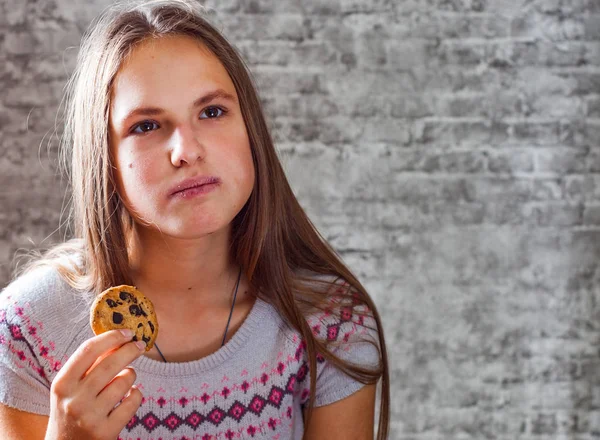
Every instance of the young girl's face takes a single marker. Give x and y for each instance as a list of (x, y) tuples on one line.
[(166, 128)]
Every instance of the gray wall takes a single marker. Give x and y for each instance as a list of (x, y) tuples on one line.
[(448, 149)]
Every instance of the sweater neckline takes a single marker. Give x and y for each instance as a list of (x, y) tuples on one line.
[(253, 321)]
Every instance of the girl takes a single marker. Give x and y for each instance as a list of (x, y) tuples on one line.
[(177, 189)]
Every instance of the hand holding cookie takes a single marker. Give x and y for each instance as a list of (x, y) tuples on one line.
[(92, 396)]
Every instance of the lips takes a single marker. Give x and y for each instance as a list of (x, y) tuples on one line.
[(193, 182)]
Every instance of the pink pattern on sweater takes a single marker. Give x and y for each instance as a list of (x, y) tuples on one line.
[(28, 359)]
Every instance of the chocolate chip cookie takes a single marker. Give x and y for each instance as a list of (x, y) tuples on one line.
[(125, 307)]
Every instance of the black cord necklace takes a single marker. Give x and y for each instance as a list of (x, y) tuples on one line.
[(228, 321)]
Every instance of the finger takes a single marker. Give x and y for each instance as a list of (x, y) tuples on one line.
[(98, 378), (116, 390), (123, 413), (88, 352)]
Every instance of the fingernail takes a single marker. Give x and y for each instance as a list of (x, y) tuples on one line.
[(141, 345), (127, 332)]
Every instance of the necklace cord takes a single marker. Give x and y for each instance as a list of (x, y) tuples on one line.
[(228, 321)]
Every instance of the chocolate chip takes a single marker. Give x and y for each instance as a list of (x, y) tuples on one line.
[(111, 303), (151, 326), (135, 310), (117, 318), (146, 339), (142, 310), (126, 296), (140, 325), (134, 338)]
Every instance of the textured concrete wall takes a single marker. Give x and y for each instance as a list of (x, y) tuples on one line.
[(449, 149)]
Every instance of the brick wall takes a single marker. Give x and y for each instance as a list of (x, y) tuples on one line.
[(448, 149)]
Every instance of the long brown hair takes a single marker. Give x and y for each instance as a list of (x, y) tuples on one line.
[(273, 240)]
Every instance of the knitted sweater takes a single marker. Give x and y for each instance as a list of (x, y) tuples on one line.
[(254, 387)]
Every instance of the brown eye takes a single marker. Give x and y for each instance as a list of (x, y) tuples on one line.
[(213, 112), (145, 127)]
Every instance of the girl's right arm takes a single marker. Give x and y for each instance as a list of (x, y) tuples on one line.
[(20, 425), (84, 394)]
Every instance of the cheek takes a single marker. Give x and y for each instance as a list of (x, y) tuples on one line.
[(243, 173), (250, 172), (244, 164), (138, 177), (138, 171)]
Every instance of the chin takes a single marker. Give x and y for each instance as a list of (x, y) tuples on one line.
[(194, 231), (187, 227)]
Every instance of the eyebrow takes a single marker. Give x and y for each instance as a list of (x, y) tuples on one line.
[(211, 96)]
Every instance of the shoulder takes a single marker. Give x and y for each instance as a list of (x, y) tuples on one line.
[(40, 316), (32, 289), (347, 328), (343, 321), (43, 292)]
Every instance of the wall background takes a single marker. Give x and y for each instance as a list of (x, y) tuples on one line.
[(448, 149)]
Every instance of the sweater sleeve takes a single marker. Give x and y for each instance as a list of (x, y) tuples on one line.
[(351, 332), (30, 341)]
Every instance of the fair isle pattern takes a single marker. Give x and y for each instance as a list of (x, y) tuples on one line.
[(215, 416), (328, 326), (338, 319), (173, 421), (28, 353)]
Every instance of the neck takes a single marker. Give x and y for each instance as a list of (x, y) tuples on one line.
[(184, 271)]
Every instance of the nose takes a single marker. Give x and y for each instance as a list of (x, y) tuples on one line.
[(186, 147)]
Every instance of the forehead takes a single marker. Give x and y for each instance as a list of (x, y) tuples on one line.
[(166, 48), (159, 71)]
